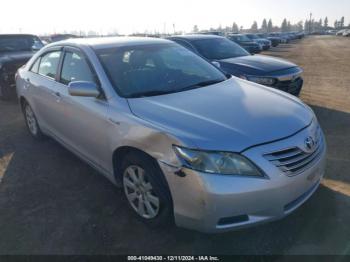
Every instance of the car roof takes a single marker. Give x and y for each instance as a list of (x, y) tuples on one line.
[(195, 37), (7, 35), (110, 42), (235, 34)]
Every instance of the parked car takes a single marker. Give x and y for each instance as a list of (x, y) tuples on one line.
[(341, 32), (284, 38), (347, 33), (275, 41), (61, 37), (212, 33), (15, 51), (184, 141), (249, 45), (234, 60), (266, 44)]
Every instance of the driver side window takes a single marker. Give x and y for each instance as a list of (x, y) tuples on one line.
[(75, 68)]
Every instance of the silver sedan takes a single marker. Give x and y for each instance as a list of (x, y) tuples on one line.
[(187, 143)]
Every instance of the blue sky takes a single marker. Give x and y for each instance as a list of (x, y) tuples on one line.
[(127, 16)]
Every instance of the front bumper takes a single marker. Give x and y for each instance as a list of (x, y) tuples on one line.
[(290, 86), (218, 203), (253, 49), (266, 46)]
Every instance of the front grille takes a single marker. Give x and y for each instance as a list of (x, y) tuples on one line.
[(292, 87), (293, 161)]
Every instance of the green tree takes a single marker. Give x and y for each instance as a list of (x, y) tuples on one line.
[(254, 27), (325, 23), (269, 26), (264, 26), (284, 26), (342, 21), (235, 28), (299, 26)]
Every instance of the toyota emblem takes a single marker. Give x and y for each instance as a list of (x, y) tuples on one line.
[(310, 144)]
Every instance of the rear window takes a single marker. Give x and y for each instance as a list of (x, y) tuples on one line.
[(219, 48), (49, 64)]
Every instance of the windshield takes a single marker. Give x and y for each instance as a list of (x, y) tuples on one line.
[(240, 38), (252, 36), (148, 70), (19, 43), (219, 48)]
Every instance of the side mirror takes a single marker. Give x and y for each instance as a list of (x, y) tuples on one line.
[(83, 88), (215, 63)]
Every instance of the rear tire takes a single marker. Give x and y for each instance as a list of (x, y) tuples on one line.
[(31, 121), (146, 190)]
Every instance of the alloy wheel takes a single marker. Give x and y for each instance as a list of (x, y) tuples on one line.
[(31, 120), (140, 193)]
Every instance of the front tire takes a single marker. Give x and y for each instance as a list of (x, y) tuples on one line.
[(146, 190)]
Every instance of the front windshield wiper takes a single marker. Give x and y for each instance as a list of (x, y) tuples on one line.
[(165, 92), (203, 83), (150, 93)]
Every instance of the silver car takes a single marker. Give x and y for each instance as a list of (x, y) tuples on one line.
[(186, 142)]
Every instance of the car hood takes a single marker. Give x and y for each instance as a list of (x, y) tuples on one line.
[(16, 57), (255, 64), (230, 116)]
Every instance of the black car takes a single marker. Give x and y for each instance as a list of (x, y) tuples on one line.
[(61, 37), (234, 60), (249, 45), (15, 51), (266, 44), (275, 41)]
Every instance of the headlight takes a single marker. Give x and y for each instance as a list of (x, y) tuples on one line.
[(224, 163), (268, 81)]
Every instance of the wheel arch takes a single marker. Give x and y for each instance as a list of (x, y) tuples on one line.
[(22, 100), (118, 156)]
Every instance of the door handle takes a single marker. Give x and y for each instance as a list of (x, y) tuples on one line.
[(57, 95), (28, 80)]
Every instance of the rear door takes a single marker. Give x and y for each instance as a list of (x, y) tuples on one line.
[(42, 84)]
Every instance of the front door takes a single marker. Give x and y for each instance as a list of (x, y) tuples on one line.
[(84, 122)]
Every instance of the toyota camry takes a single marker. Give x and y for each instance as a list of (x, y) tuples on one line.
[(185, 142)]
